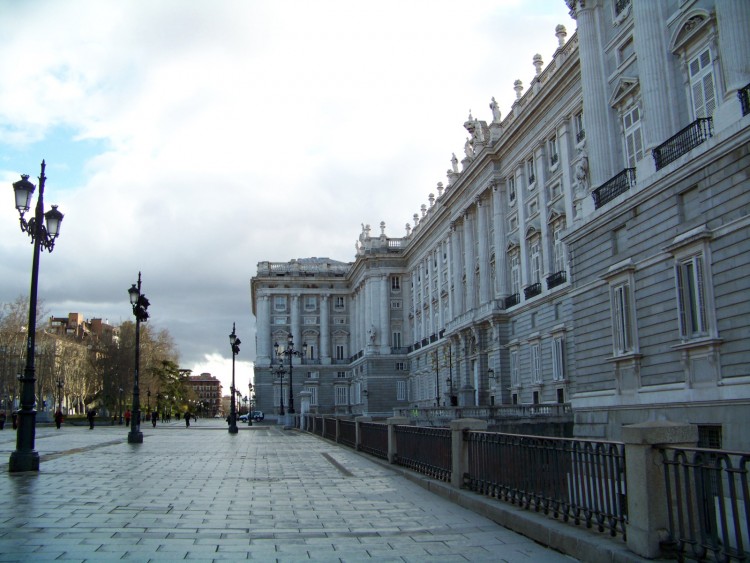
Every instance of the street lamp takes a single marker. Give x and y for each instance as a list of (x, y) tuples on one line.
[(289, 351), (59, 394), (280, 372), (25, 458), (140, 304), (235, 343), (249, 403), (120, 405)]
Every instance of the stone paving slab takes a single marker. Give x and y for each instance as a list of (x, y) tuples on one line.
[(202, 494)]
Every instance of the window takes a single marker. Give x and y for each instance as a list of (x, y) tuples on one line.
[(554, 191), (311, 303), (396, 303), (396, 341), (400, 366), (515, 379), (691, 297), (341, 395), (580, 131), (339, 302), (313, 390), (339, 351), (341, 374), (553, 156), (559, 247), (558, 358), (515, 273), (312, 375), (530, 172), (622, 325), (535, 263), (512, 189), (401, 390), (533, 206), (279, 303), (702, 84), (395, 283), (625, 51), (633, 139), (561, 396), (536, 363), (513, 222)]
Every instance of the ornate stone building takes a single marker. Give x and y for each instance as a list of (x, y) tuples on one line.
[(586, 261)]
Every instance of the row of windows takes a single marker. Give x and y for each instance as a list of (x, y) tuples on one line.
[(536, 373), (280, 302)]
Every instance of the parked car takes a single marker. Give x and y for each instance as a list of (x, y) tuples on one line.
[(258, 416), (243, 418)]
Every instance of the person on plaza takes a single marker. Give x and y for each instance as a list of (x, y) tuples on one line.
[(90, 415), (154, 416), (58, 418), (187, 419), (2, 419), (127, 417)]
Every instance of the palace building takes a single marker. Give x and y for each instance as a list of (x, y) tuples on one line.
[(585, 265)]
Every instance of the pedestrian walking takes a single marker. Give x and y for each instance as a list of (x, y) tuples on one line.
[(154, 416), (187, 419), (2, 419), (58, 419), (127, 417), (91, 414)]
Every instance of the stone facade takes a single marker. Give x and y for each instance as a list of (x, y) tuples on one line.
[(591, 248)]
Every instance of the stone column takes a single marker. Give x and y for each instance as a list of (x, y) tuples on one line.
[(484, 253), (358, 431), (325, 328), (469, 261), (460, 448), (659, 120), (501, 262), (385, 322), (295, 327), (599, 131), (647, 505), (264, 328), (415, 304)]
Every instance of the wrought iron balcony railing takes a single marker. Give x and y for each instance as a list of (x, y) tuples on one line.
[(558, 278), (684, 141), (613, 187), (744, 95), (512, 300), (580, 136), (532, 290)]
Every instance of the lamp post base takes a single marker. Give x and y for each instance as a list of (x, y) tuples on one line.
[(233, 429), (135, 437), (23, 461)]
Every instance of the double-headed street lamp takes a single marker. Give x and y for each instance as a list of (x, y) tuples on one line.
[(289, 351), (140, 304), (235, 344), (25, 458)]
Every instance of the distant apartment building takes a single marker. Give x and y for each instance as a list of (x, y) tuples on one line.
[(76, 327), (208, 390), (587, 259)]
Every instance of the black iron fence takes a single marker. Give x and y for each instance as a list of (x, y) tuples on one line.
[(684, 141), (329, 428), (426, 450), (578, 480), (707, 503), (609, 190), (348, 433), (374, 439)]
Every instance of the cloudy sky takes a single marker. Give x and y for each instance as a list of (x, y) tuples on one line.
[(190, 140)]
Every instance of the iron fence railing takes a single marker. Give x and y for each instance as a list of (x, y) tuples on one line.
[(329, 428), (684, 141), (578, 480), (615, 186), (318, 425), (707, 504), (374, 439), (425, 450), (348, 433)]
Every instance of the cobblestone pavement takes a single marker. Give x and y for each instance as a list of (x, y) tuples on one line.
[(202, 494)]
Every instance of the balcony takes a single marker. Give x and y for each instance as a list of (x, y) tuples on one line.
[(613, 187), (684, 141), (744, 95), (532, 290), (580, 136), (512, 300), (558, 278)]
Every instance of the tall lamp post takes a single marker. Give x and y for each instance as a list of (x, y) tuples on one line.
[(235, 343), (140, 304), (250, 403), (25, 458), (280, 372), (289, 351)]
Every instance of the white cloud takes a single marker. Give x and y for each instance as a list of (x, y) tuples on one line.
[(238, 132)]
